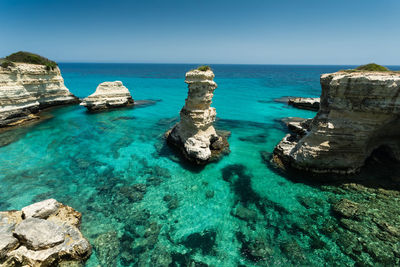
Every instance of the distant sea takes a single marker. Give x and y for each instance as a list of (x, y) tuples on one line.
[(216, 215)]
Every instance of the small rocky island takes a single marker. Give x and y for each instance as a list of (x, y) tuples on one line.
[(359, 115), (28, 84), (195, 135), (108, 95), (42, 234)]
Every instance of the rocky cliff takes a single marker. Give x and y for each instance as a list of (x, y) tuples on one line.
[(42, 234), (195, 135), (359, 114), (27, 88), (108, 95)]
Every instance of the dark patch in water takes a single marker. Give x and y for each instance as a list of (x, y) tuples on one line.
[(255, 139), (172, 201), (254, 250), (146, 103), (167, 123), (203, 241), (241, 183), (125, 118), (264, 101)]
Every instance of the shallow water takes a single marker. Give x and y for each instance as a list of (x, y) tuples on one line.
[(177, 214)]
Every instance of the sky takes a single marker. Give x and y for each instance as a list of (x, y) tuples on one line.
[(327, 32)]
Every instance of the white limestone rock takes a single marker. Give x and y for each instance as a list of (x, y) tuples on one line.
[(195, 135), (7, 243), (42, 209), (359, 113), (51, 240), (108, 95), (39, 234), (27, 88)]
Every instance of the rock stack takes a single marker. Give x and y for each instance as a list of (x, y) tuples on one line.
[(359, 115), (195, 135), (27, 88), (42, 234), (108, 95)]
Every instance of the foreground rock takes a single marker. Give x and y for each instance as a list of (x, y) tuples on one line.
[(27, 88), (308, 103), (42, 234), (108, 95), (359, 115), (195, 135)]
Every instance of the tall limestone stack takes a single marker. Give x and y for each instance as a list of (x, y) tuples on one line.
[(195, 135), (27, 88), (359, 114)]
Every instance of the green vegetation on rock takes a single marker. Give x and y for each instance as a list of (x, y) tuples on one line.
[(6, 64), (26, 57), (204, 68), (372, 67)]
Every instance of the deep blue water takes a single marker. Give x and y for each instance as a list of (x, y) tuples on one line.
[(93, 162)]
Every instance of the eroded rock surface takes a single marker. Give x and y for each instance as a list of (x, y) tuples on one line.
[(309, 103), (108, 95), (27, 88), (195, 134), (42, 234), (359, 114)]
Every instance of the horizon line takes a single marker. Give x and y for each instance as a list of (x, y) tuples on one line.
[(174, 63)]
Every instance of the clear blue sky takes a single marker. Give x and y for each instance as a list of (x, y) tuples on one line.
[(245, 31)]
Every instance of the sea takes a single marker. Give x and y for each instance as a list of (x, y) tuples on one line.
[(143, 205)]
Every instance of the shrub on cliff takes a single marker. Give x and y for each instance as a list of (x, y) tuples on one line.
[(26, 57), (6, 64), (372, 67), (204, 68)]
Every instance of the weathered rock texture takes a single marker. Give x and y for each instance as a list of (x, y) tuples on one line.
[(309, 103), (108, 95), (42, 234), (27, 88), (195, 135), (360, 113)]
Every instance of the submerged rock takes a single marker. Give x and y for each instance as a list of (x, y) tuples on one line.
[(195, 135), (308, 103), (45, 234), (108, 95), (346, 208), (107, 248), (27, 88), (359, 114)]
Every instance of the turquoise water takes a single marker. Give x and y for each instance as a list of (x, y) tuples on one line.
[(141, 204)]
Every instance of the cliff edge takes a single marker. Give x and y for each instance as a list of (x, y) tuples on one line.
[(359, 114), (27, 88)]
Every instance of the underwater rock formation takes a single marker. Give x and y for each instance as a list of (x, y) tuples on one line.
[(309, 103), (42, 234), (27, 88), (108, 95), (195, 135), (359, 113)]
